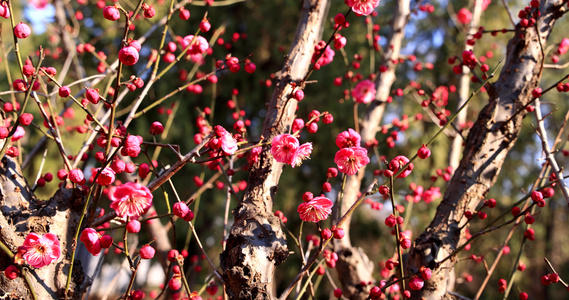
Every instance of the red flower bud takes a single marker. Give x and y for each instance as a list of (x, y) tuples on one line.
[(147, 252), (22, 30)]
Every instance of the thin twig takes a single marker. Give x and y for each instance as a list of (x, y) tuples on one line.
[(205, 254), (549, 156)]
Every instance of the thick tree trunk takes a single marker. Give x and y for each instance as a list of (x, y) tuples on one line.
[(21, 214), (256, 243), (353, 265), (487, 145)]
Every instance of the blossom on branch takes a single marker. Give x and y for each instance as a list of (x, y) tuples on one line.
[(350, 160), (130, 199), (364, 91), (286, 149), (40, 251), (132, 146), (347, 139), (199, 45), (363, 7), (315, 210), (92, 240), (228, 144)]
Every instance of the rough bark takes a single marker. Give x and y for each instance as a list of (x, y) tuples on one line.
[(488, 142), (21, 214), (256, 243), (353, 265)]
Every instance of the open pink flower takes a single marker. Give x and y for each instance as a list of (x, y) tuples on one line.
[(364, 91), (92, 240), (228, 143), (40, 251), (301, 153), (350, 160), (363, 7), (130, 199), (347, 139), (286, 149), (315, 210), (283, 148)]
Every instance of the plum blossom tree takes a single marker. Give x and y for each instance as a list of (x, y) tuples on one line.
[(113, 100)]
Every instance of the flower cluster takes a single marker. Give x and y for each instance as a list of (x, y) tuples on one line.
[(94, 242), (351, 157), (326, 57), (198, 45)]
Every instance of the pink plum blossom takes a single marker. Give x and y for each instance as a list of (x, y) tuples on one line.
[(40, 251), (286, 149), (92, 240), (315, 210), (18, 134), (347, 139), (402, 161), (364, 91), (228, 143), (301, 153), (147, 252), (350, 160), (180, 209), (326, 58), (111, 13), (106, 177), (199, 46), (22, 30), (132, 145), (431, 194), (77, 176), (363, 7), (283, 148), (130, 199)]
